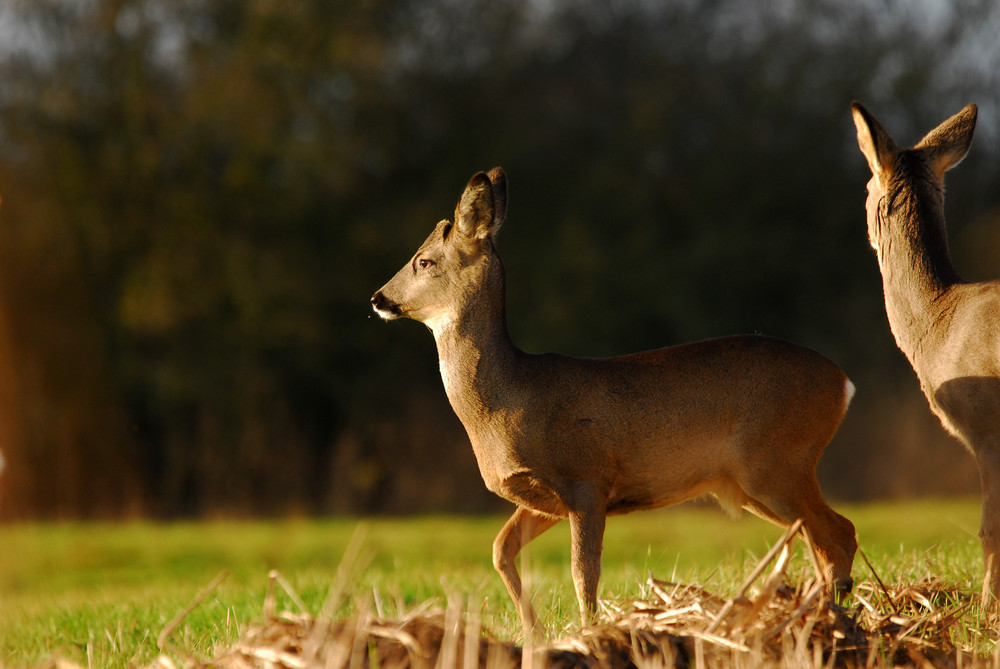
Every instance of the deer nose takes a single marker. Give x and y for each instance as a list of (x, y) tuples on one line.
[(382, 304)]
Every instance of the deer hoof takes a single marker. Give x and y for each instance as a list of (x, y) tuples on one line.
[(843, 586)]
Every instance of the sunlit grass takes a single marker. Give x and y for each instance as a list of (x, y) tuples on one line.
[(101, 593)]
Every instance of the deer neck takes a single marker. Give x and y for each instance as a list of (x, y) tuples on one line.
[(917, 273), (475, 352)]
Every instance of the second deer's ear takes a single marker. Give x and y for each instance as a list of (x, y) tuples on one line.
[(876, 144), (948, 143), (499, 181), (474, 215)]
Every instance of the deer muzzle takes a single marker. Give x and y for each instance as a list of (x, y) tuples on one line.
[(385, 307)]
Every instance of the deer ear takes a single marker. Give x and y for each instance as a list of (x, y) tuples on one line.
[(948, 143), (876, 144), (499, 181), (475, 213)]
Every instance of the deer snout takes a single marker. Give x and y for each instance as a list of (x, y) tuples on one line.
[(385, 307)]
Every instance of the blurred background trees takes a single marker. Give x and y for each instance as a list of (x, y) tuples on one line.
[(200, 196)]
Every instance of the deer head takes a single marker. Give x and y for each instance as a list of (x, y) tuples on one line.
[(456, 264)]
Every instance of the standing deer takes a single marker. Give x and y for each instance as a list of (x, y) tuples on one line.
[(743, 418), (947, 328)]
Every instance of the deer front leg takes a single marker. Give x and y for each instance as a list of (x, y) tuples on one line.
[(587, 544), (522, 527), (989, 525)]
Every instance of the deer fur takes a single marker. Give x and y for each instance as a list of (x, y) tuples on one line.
[(948, 329), (744, 418)]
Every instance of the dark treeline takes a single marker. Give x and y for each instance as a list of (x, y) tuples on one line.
[(200, 196)]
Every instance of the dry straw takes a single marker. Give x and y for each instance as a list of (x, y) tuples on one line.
[(766, 624)]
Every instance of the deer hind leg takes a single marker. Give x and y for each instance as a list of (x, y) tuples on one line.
[(989, 525), (796, 495), (519, 530)]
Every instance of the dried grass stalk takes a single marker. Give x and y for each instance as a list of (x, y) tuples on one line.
[(679, 625)]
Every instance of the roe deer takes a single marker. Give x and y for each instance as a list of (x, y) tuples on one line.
[(744, 418), (948, 329)]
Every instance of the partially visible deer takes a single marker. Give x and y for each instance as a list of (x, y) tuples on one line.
[(743, 418), (947, 328)]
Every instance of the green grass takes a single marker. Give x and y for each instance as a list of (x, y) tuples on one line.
[(100, 594)]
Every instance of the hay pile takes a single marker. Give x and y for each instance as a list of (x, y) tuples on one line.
[(772, 625)]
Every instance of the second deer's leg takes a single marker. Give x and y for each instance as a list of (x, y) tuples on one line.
[(989, 524), (519, 530), (587, 544)]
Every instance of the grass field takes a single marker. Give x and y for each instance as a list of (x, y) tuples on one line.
[(99, 594)]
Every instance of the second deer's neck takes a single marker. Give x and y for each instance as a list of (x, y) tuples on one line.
[(916, 268)]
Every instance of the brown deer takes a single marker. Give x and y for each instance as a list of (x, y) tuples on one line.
[(947, 328), (743, 418)]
